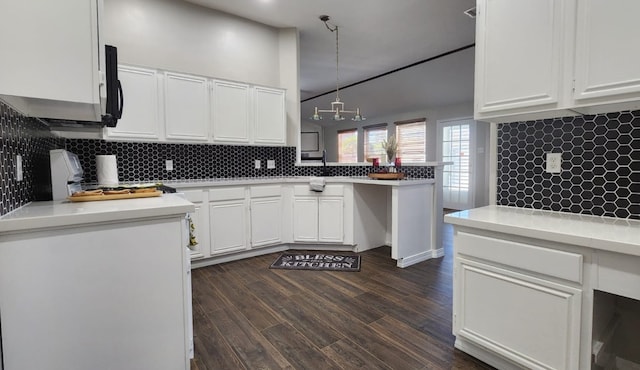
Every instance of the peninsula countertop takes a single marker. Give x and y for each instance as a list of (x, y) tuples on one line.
[(602, 233), (48, 214), (292, 180)]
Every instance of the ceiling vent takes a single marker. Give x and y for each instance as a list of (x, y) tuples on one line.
[(471, 12)]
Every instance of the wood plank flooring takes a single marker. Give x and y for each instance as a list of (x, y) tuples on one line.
[(247, 316)]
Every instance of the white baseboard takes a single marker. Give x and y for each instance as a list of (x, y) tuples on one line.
[(412, 260), (437, 253), (322, 247), (237, 256), (271, 249)]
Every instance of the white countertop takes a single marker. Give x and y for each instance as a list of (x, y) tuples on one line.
[(603, 233), (180, 184), (38, 215)]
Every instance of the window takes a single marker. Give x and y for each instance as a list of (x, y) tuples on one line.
[(373, 138), (348, 146), (411, 137)]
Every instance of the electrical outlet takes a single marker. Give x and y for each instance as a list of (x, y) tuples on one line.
[(168, 165), (257, 164), (19, 173), (554, 162), (271, 163)]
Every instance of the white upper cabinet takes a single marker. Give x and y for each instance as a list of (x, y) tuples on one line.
[(186, 107), (550, 58), (52, 58), (607, 63), (141, 119), (269, 116), (231, 106), (520, 57)]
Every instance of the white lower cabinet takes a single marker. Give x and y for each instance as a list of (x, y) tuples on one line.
[(266, 215), (200, 221), (318, 217), (305, 219), (518, 300), (531, 321), (228, 220), (330, 219)]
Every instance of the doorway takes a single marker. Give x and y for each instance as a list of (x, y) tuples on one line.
[(456, 139)]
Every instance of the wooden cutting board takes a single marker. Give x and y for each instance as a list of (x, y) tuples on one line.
[(387, 176), (91, 198)]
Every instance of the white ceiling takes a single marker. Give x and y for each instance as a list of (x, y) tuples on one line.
[(376, 36)]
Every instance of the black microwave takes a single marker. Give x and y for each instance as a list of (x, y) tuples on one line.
[(114, 96)]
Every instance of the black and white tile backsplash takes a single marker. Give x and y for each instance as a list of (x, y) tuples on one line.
[(600, 164), (146, 161), (30, 138)]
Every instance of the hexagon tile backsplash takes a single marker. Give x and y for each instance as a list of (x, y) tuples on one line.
[(30, 138), (600, 164), (146, 161)]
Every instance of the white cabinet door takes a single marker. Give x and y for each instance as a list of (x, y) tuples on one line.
[(305, 219), (330, 219), (200, 220), (141, 119), (230, 112), (270, 119), (186, 108), (266, 221), (531, 321), (518, 55), (51, 54), (606, 64), (228, 226)]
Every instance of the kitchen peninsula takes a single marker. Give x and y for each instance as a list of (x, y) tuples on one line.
[(541, 289), (96, 285), (240, 218)]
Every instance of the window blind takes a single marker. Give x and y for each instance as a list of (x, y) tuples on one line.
[(373, 138), (348, 146), (411, 141)]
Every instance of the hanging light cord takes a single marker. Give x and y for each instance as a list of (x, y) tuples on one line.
[(335, 29)]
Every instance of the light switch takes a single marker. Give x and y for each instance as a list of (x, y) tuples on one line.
[(257, 164), (271, 163), (168, 164)]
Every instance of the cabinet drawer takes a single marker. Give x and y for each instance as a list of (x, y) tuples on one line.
[(332, 190), (619, 274), (226, 194), (266, 191), (194, 195), (551, 262)]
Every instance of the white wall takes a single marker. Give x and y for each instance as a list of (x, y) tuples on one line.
[(184, 37), (432, 115)]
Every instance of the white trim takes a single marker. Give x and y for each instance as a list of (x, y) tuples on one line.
[(493, 163), (412, 260)]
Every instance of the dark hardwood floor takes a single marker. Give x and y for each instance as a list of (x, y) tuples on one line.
[(247, 316)]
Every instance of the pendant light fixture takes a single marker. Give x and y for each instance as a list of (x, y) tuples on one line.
[(337, 106)]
